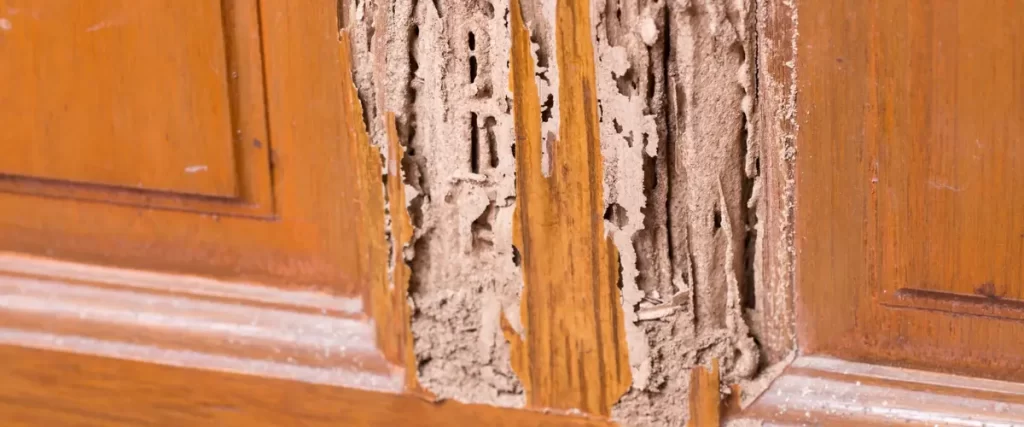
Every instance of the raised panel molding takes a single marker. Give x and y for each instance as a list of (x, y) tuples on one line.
[(191, 322), (87, 170)]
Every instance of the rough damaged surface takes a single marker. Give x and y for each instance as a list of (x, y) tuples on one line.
[(694, 101), (442, 68)]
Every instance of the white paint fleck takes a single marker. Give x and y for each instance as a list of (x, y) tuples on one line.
[(944, 186), (99, 26), (5, 24), (196, 168)]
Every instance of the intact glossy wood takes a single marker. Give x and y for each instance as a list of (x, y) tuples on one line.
[(571, 352), (44, 388), (909, 232), (315, 237), (101, 107), (123, 93), (192, 322), (825, 391)]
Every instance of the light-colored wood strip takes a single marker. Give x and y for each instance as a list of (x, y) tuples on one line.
[(571, 352), (194, 322), (824, 391)]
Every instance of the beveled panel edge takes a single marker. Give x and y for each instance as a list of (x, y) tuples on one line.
[(191, 322), (818, 390), (249, 140)]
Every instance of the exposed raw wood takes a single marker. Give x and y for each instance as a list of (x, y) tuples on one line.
[(94, 391), (387, 292), (909, 226), (401, 235), (825, 391), (705, 397), (774, 129), (191, 322), (570, 352)]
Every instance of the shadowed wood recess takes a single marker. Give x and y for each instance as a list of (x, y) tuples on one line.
[(910, 215), (571, 352)]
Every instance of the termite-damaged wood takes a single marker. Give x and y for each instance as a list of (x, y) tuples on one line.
[(390, 309), (705, 399), (775, 130), (571, 352), (401, 235)]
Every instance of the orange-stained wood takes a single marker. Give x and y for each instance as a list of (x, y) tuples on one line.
[(119, 93), (319, 222), (43, 388), (910, 215), (571, 351), (115, 102), (388, 292), (705, 398), (397, 323)]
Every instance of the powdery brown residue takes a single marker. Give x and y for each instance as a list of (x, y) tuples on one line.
[(701, 229), (442, 67)]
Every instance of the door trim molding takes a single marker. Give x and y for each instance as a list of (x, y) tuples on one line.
[(821, 390), (191, 322)]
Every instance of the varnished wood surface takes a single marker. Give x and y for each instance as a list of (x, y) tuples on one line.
[(192, 322), (45, 388), (138, 165), (118, 93), (909, 226), (825, 391), (705, 397), (571, 352), (310, 237)]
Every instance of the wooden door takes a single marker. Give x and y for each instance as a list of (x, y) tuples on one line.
[(910, 215), (192, 224)]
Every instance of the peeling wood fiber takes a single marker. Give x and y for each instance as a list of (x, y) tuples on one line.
[(570, 351), (442, 68), (599, 194)]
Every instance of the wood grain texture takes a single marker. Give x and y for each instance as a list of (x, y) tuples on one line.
[(316, 236), (387, 290), (397, 294), (825, 391), (908, 218), (115, 103), (705, 397), (774, 127), (571, 351), (44, 388), (123, 83)]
